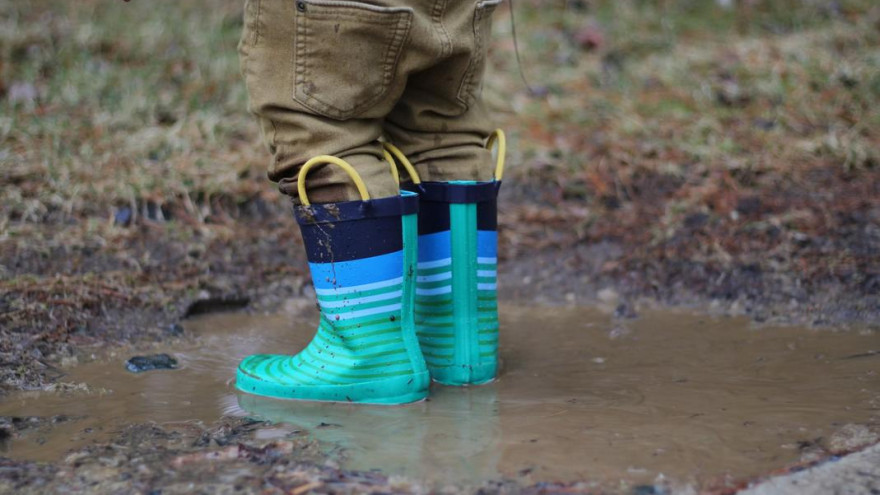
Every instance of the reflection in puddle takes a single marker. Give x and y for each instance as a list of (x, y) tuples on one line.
[(456, 435), (580, 397)]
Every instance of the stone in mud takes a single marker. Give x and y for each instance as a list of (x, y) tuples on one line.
[(174, 330), (140, 364), (625, 311)]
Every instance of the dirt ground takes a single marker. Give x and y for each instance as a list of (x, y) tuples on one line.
[(665, 154)]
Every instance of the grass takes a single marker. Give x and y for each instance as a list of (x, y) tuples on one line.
[(109, 103), (788, 85), (112, 103), (675, 109)]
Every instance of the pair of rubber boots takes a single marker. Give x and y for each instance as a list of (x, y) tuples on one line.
[(406, 287)]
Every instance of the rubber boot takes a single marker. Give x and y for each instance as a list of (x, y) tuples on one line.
[(362, 257), (456, 307)]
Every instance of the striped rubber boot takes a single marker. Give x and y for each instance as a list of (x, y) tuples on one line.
[(362, 257), (456, 306)]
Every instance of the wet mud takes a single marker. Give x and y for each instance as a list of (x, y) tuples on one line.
[(666, 397)]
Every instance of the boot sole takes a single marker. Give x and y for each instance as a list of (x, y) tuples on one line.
[(397, 390)]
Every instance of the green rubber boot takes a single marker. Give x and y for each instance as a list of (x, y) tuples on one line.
[(362, 257), (456, 306)]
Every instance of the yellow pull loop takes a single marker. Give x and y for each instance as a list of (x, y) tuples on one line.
[(404, 161), (390, 160), (502, 151), (324, 159)]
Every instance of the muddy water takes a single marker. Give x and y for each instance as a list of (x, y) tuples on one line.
[(580, 397)]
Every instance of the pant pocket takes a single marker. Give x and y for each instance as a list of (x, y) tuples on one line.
[(472, 83), (346, 54)]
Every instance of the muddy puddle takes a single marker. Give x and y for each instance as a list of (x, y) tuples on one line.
[(581, 396)]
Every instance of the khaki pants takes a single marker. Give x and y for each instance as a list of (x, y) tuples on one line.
[(330, 77)]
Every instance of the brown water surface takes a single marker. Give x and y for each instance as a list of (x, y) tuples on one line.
[(580, 396)]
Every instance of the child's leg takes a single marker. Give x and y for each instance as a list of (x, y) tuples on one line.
[(440, 121), (442, 125), (320, 77)]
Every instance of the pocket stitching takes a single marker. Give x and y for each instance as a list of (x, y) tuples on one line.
[(251, 22), (257, 22), (400, 20), (466, 94)]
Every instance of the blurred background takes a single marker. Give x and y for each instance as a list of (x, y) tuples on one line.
[(692, 152)]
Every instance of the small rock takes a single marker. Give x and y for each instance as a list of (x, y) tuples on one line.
[(69, 361), (63, 418), (730, 94), (625, 311), (764, 124), (696, 220), (226, 454), (123, 216), (174, 330), (800, 239), (619, 332), (139, 364), (748, 205), (608, 296), (649, 490)]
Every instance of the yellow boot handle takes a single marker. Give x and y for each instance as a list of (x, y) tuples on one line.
[(498, 136), (390, 150), (332, 160)]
